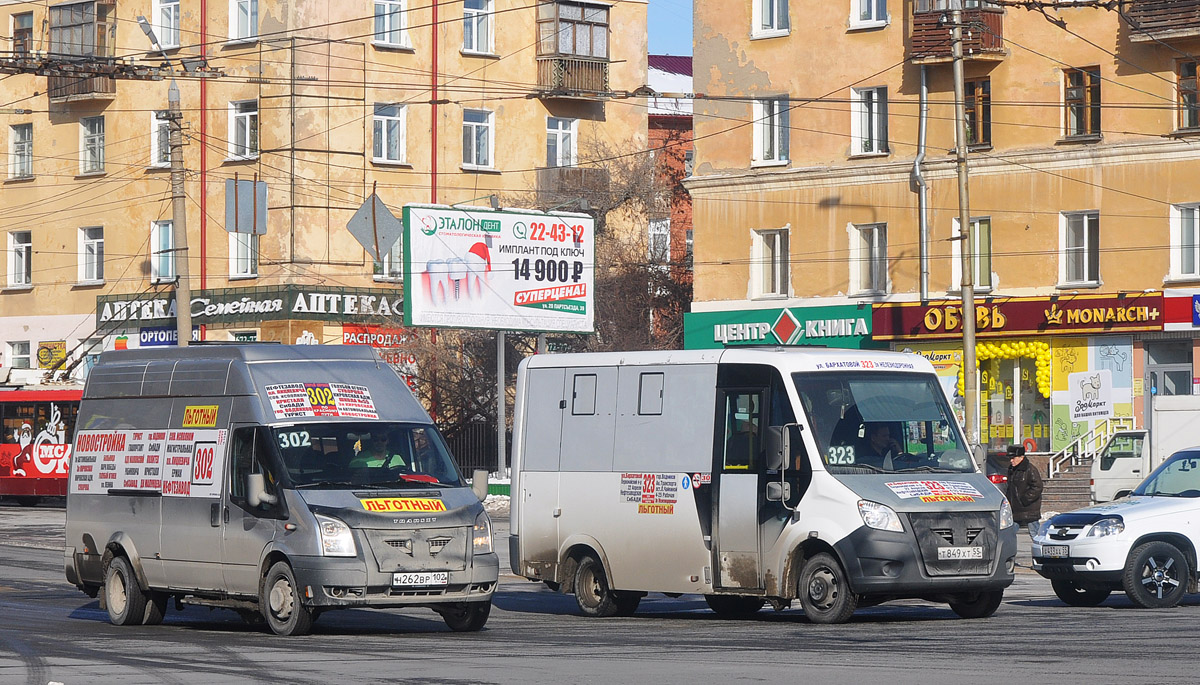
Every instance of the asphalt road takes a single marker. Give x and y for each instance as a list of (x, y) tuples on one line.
[(50, 632)]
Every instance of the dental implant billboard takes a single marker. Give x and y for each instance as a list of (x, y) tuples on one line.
[(472, 267)]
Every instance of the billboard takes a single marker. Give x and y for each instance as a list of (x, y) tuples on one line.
[(470, 267)]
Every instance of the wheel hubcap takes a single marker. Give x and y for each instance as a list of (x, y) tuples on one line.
[(1158, 579), (118, 598), (281, 599), (822, 588)]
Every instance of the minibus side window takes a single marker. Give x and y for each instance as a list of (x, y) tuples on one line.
[(743, 415), (250, 450)]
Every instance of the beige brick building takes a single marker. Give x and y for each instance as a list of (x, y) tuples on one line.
[(825, 197), (323, 101)]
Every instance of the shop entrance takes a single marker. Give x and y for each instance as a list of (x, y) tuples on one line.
[(1015, 412), (1168, 372)]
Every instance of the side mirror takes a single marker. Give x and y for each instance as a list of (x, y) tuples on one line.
[(778, 447), (778, 492), (479, 483), (256, 491)]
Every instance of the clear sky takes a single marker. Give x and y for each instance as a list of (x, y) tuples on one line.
[(670, 27)]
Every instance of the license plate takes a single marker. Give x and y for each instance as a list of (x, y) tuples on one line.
[(1055, 551), (426, 579), (952, 553)]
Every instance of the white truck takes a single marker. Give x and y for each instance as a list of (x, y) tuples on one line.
[(1130, 455), (751, 476)]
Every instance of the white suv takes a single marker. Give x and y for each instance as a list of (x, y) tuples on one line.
[(1144, 544)]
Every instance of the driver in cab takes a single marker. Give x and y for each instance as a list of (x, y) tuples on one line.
[(878, 447)]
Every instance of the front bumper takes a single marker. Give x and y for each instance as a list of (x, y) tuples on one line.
[(1092, 559), (879, 562), (348, 582)]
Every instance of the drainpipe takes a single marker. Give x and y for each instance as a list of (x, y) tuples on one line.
[(922, 188), (433, 108), (203, 151)]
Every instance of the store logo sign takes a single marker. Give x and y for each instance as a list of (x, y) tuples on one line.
[(1196, 310)]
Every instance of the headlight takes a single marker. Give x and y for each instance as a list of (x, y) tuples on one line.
[(1006, 518), (1044, 529), (879, 516), (336, 538), (1108, 526), (483, 534)]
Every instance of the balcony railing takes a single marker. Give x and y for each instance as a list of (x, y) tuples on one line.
[(563, 184), (983, 36), (69, 88), (1155, 20), (564, 74)]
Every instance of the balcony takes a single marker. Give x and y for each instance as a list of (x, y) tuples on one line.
[(1155, 20), (563, 184), (563, 76), (78, 88), (983, 36)]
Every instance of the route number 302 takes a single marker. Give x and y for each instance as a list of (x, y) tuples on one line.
[(295, 439), (841, 455)]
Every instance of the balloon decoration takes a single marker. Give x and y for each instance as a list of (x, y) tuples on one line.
[(1039, 351)]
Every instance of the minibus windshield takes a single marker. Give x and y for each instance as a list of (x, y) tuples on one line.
[(880, 422), (364, 455)]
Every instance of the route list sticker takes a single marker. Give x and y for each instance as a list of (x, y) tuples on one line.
[(935, 490), (654, 493), (296, 400)]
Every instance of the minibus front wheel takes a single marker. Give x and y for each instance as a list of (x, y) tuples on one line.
[(280, 602)]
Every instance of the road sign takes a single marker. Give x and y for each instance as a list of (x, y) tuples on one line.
[(374, 226), (246, 206)]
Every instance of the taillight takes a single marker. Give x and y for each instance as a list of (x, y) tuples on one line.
[(998, 478)]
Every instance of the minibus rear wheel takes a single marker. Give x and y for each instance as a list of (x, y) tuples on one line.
[(734, 606), (123, 597), (977, 604), (280, 602), (594, 596)]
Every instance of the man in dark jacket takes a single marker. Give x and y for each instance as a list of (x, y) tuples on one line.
[(1024, 489)]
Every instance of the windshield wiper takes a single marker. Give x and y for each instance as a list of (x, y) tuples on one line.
[(859, 465), (405, 481), (924, 469), (325, 484)]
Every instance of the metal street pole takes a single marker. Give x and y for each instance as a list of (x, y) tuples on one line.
[(183, 288), (965, 235), (501, 420)]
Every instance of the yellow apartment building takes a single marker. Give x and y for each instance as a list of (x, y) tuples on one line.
[(826, 206), (320, 103)]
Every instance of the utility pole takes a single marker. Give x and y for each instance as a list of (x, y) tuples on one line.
[(183, 288), (965, 235)]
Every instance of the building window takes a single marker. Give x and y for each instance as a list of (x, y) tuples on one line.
[(160, 139), (868, 259), (243, 19), (18, 354), (243, 129), (91, 254), (870, 13), (20, 264), (1189, 102), (392, 266), (243, 255), (981, 254), (477, 26), (91, 157), (477, 138), (1080, 240), (20, 151), (1081, 98), (571, 28), (659, 240), (388, 139), (771, 130), (166, 27), (22, 33), (689, 158), (770, 263), (868, 126), (390, 23), (1185, 241), (162, 252), (82, 29), (560, 141), (978, 102), (770, 17)]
